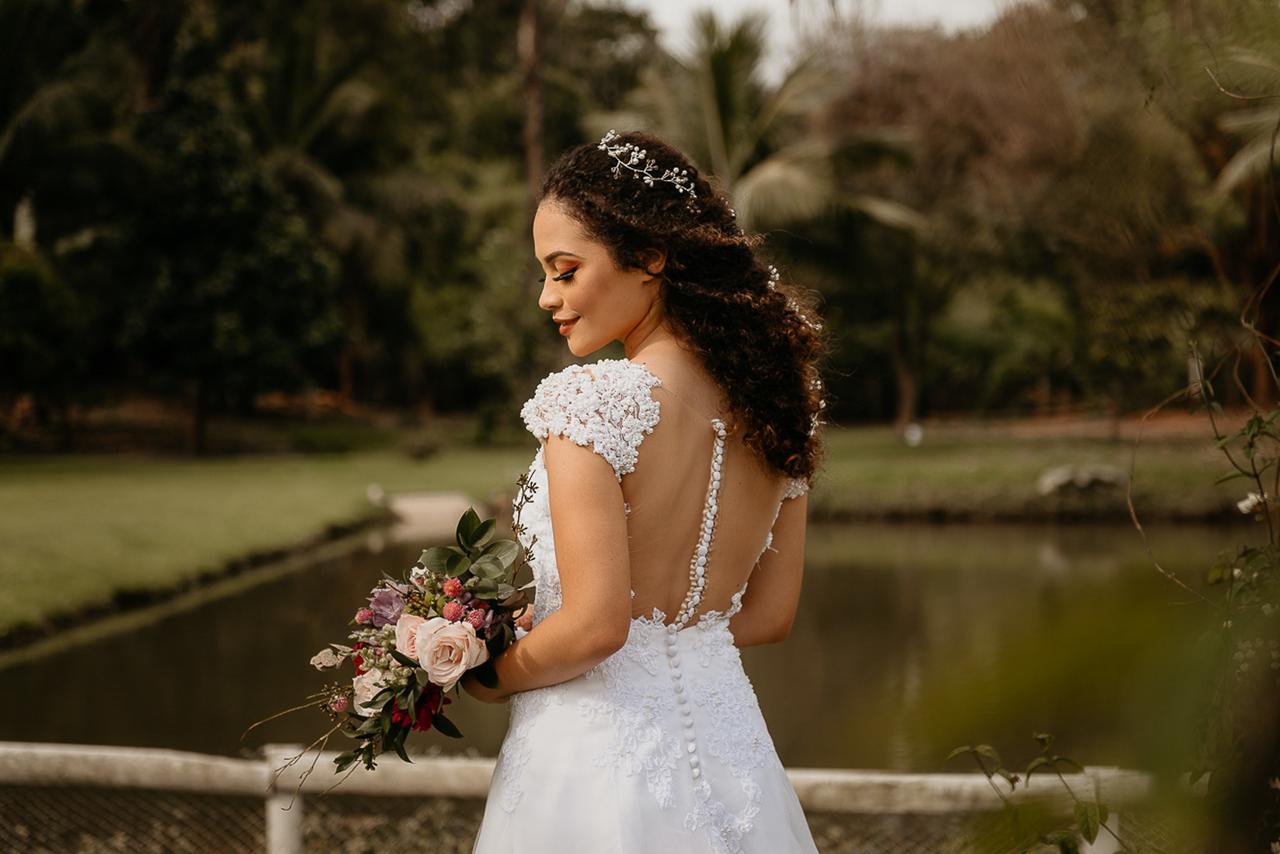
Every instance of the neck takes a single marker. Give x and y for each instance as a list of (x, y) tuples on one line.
[(652, 331)]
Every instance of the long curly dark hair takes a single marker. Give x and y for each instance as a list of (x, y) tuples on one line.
[(757, 336)]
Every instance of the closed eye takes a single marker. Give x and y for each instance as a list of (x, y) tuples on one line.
[(567, 274)]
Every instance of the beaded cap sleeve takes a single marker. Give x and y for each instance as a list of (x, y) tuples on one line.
[(605, 405), (796, 486)]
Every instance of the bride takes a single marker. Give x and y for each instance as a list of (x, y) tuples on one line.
[(665, 481)]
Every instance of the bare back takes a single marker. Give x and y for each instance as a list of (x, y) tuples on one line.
[(673, 481)]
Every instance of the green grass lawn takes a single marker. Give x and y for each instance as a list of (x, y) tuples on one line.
[(76, 529), (869, 473)]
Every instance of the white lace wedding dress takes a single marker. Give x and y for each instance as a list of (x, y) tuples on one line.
[(661, 747)]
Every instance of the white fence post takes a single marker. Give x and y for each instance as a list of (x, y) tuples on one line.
[(284, 822)]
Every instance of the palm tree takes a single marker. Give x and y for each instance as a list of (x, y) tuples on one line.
[(755, 137)]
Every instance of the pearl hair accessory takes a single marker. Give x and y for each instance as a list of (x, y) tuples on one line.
[(639, 162)]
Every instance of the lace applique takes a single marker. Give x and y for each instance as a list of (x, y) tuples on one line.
[(514, 753), (636, 708), (796, 486), (606, 405)]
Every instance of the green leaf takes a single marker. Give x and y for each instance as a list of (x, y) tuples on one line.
[(988, 752), (399, 746), (1035, 765), (446, 726), (1044, 739), (403, 659), (484, 533), (345, 760), (1064, 760), (467, 527), (505, 551), (959, 751), (436, 559), (1088, 818), (489, 568)]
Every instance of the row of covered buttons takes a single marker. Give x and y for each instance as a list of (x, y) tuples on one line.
[(682, 699)]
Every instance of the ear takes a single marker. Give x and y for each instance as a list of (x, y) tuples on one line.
[(655, 260)]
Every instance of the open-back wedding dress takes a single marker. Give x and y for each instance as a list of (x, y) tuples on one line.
[(661, 747)]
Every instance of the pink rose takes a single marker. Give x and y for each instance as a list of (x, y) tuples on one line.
[(407, 634), (447, 650)]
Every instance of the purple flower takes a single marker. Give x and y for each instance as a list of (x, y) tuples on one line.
[(386, 604)]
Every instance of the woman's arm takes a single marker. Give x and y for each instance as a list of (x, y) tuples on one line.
[(773, 590), (595, 578)]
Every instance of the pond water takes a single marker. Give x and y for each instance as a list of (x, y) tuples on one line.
[(911, 639)]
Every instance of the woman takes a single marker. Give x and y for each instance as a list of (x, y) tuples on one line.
[(664, 479)]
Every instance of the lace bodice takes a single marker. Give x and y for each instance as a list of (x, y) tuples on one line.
[(675, 696), (608, 407)]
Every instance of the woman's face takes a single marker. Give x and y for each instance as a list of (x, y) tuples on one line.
[(592, 302)]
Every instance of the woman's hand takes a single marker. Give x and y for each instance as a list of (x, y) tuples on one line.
[(525, 620)]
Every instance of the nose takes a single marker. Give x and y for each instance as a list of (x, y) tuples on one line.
[(548, 299)]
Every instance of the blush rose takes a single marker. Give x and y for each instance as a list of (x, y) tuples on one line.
[(447, 650)]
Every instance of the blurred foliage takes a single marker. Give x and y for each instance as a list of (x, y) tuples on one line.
[(217, 200)]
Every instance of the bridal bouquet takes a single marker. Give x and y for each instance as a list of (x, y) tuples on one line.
[(415, 637)]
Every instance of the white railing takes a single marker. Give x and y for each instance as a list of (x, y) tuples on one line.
[(820, 790)]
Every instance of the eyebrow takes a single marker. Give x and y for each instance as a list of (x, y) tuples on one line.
[(554, 255)]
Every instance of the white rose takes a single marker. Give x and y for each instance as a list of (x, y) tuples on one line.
[(365, 687), (447, 650)]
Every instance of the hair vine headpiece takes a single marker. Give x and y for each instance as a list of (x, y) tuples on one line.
[(639, 162)]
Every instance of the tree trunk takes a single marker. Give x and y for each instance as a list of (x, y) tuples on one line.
[(907, 380), (529, 50)]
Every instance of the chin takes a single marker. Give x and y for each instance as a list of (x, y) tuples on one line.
[(580, 349)]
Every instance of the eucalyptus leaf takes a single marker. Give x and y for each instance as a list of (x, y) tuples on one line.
[(467, 526), (436, 559), (489, 568), (446, 726), (403, 659), (506, 551), (484, 533)]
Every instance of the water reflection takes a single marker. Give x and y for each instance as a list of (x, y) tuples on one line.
[(911, 639)]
